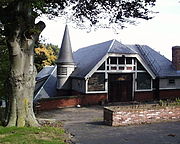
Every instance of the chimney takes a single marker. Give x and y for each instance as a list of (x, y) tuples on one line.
[(176, 57)]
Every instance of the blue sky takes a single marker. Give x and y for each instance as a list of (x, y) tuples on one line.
[(160, 33)]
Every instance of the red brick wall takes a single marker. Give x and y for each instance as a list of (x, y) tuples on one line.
[(169, 94), (93, 98), (122, 116), (144, 96), (176, 57), (71, 101), (97, 98)]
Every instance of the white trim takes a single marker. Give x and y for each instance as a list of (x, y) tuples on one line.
[(120, 55), (144, 90), (120, 72), (61, 76), (169, 88), (55, 67), (133, 86), (86, 85), (92, 92)]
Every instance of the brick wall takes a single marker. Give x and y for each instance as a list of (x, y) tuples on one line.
[(169, 94), (144, 96), (70, 101), (130, 116)]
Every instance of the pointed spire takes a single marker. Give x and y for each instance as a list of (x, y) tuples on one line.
[(65, 54)]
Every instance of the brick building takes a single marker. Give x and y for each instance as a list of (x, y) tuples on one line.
[(108, 71)]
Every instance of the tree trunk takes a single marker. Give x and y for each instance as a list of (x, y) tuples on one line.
[(21, 34), (22, 82)]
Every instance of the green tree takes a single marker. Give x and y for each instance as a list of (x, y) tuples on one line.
[(21, 33), (45, 55)]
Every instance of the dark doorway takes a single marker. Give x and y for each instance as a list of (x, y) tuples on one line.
[(120, 87)]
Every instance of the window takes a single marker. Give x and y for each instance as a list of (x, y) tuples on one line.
[(128, 60), (121, 60), (62, 71), (108, 60), (139, 66), (121, 68), (129, 68), (172, 81), (113, 60), (113, 68), (143, 81), (96, 82), (102, 67)]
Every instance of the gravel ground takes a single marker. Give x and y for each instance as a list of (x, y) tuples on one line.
[(86, 126)]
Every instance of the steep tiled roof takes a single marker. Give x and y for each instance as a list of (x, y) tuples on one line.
[(160, 65), (86, 58), (65, 54)]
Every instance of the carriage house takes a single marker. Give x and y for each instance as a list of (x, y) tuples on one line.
[(108, 71)]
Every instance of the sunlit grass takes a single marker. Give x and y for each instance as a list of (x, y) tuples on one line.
[(32, 135)]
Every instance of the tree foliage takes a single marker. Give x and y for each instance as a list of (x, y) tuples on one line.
[(45, 55), (113, 11)]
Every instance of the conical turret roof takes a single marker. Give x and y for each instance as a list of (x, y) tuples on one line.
[(65, 54)]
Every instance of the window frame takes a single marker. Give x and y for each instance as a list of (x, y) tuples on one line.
[(148, 89), (92, 91)]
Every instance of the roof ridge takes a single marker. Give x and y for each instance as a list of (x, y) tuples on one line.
[(121, 46), (111, 45)]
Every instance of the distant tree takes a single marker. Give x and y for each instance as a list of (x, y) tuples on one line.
[(45, 55), (21, 33), (55, 48)]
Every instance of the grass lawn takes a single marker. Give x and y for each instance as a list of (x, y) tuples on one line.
[(32, 135)]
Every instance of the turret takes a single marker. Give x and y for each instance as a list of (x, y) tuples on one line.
[(65, 63)]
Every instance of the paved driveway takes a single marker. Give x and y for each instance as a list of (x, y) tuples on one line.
[(86, 126)]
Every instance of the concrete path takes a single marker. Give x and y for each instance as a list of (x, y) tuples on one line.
[(87, 127)]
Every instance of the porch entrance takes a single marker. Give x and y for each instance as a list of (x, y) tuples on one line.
[(120, 87)]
